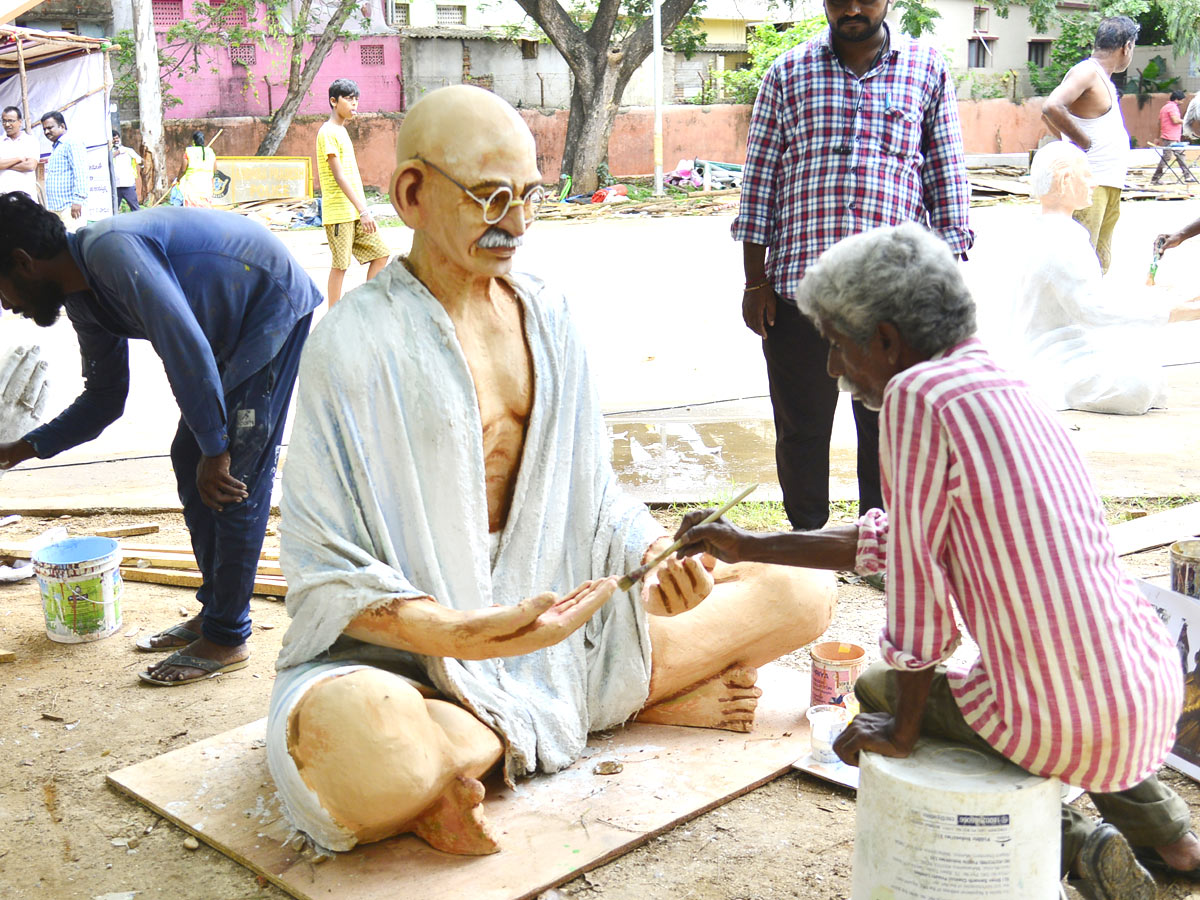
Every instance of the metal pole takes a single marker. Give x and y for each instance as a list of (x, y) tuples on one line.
[(658, 116)]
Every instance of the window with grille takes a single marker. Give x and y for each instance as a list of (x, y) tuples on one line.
[(397, 13), (166, 13), (231, 18), (981, 19), (978, 54), (529, 49), (451, 15), (1039, 51), (244, 54), (370, 54)]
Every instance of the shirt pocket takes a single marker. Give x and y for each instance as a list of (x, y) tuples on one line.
[(902, 131)]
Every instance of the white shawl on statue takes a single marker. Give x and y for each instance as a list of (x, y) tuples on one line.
[(383, 497)]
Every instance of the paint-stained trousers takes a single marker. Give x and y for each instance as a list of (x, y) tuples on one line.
[(804, 399), (227, 544), (1149, 814)]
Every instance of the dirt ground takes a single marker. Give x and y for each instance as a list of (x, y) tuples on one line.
[(74, 712)]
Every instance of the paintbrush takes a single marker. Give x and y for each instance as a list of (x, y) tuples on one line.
[(1158, 252), (637, 574)]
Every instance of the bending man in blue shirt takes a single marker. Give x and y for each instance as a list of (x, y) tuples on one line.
[(227, 308)]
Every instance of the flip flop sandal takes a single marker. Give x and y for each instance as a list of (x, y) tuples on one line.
[(209, 667), (1109, 869), (1154, 863), (182, 632)]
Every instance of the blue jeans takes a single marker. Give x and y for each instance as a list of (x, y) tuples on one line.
[(227, 544)]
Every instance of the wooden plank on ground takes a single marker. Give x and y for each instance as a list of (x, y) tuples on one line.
[(551, 828), (269, 585), (184, 561), (163, 548), (7, 656), (127, 530), (1156, 530)]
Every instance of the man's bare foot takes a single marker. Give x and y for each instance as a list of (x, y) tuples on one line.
[(727, 700), (171, 638), (455, 823), (204, 649), (1182, 855)]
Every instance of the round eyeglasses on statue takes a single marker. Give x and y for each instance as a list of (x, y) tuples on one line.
[(497, 204)]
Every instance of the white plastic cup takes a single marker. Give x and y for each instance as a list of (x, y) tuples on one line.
[(826, 722)]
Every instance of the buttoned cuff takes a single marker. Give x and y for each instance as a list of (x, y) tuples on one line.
[(213, 443), (871, 554)]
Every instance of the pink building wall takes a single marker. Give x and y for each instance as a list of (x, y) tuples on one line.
[(257, 86)]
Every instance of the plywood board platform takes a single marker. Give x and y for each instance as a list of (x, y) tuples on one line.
[(551, 827)]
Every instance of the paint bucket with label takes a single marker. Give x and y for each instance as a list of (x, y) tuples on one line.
[(80, 581), (826, 723), (835, 668), (1185, 568), (950, 822)]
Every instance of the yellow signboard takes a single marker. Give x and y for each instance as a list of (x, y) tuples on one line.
[(263, 178)]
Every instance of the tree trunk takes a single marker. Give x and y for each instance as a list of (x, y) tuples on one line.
[(150, 97), (590, 126), (300, 77)]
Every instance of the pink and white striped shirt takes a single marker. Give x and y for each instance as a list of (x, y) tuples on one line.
[(991, 510)]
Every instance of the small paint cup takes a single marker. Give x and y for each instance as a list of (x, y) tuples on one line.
[(826, 723), (1185, 568)]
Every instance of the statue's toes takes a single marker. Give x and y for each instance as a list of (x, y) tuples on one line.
[(738, 676)]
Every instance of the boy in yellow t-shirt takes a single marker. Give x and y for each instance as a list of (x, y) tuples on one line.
[(348, 224)]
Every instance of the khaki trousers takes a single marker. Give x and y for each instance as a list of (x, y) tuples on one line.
[(1100, 219), (1149, 814)]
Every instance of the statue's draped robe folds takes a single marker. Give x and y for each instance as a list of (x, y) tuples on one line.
[(1085, 343), (384, 497)]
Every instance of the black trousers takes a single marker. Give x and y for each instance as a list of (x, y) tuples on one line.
[(804, 398)]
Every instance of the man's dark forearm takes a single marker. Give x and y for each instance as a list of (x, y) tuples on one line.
[(754, 261), (830, 548), (912, 693)]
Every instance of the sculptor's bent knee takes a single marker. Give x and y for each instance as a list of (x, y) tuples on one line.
[(377, 754)]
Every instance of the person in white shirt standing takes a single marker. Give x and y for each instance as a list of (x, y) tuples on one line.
[(1086, 110), (18, 155), (125, 171)]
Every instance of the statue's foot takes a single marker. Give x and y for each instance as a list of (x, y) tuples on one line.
[(726, 700), (455, 822)]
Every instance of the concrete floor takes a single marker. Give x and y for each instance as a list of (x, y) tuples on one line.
[(658, 303)]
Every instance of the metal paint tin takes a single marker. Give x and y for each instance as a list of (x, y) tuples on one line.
[(1185, 567)]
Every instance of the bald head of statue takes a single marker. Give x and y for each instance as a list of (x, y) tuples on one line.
[(466, 179)]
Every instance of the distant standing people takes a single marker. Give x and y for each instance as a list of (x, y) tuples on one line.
[(66, 173), (854, 129), (196, 181), (1086, 110), (1170, 132), (349, 225), (18, 155), (125, 169)]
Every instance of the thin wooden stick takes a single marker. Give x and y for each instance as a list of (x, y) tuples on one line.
[(637, 574)]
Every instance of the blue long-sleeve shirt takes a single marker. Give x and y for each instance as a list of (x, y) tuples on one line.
[(214, 293), (66, 174)]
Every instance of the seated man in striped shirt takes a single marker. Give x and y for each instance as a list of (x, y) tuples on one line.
[(992, 514)]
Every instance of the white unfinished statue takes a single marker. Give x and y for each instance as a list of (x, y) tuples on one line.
[(23, 391), (1087, 343), (453, 530)]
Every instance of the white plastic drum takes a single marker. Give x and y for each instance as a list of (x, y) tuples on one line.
[(954, 823)]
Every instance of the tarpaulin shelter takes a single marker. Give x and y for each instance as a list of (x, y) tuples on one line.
[(43, 71)]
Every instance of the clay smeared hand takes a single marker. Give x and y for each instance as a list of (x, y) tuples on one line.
[(23, 391), (217, 487), (874, 732), (719, 538), (422, 625), (678, 585)]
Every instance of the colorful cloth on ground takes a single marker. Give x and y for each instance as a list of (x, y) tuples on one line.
[(66, 174), (25, 146), (383, 497), (335, 205), (991, 512), (196, 182), (830, 154), (1168, 128), (125, 166), (214, 293)]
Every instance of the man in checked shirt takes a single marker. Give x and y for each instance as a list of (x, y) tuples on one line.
[(990, 514), (855, 129)]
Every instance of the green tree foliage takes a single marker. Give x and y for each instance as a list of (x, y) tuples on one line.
[(124, 65), (1073, 45), (687, 38), (765, 43)]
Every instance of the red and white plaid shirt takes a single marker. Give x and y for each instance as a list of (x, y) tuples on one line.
[(830, 155), (992, 511)]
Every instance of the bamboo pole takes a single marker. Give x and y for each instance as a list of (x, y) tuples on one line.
[(24, 83)]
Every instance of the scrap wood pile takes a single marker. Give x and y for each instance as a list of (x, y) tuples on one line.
[(175, 566), (992, 184), (275, 213), (696, 203)]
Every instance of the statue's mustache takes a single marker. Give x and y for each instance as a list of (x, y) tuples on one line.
[(495, 238)]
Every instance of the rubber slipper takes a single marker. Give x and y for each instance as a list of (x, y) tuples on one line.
[(1109, 869), (209, 667), (178, 631)]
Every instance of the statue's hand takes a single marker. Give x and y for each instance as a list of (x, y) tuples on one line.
[(23, 391), (678, 585)]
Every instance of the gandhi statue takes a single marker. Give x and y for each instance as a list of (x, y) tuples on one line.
[(1086, 342), (453, 532)]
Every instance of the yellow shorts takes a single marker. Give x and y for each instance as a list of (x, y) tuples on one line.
[(346, 238)]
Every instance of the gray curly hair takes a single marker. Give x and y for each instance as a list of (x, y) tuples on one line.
[(900, 274)]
